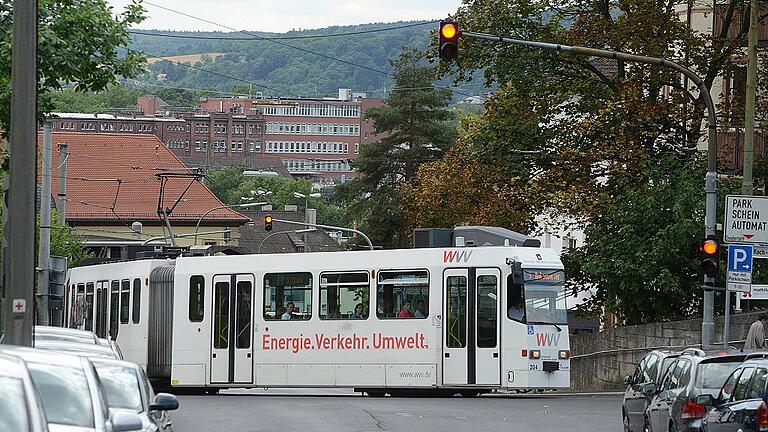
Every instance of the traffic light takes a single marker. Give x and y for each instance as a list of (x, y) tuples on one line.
[(709, 253), (449, 40), (268, 223)]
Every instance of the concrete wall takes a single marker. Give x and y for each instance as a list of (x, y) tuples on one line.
[(602, 360)]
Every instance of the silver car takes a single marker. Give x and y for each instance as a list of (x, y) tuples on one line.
[(127, 388), (72, 395), (51, 333), (81, 349), (20, 406)]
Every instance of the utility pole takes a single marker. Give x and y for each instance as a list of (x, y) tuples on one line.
[(20, 285), (44, 253), (61, 207), (710, 181), (749, 111)]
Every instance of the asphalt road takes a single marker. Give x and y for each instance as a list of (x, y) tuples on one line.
[(307, 410)]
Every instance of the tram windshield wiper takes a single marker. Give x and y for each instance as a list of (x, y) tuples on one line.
[(559, 329)]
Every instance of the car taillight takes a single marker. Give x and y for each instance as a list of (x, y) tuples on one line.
[(762, 417), (692, 410)]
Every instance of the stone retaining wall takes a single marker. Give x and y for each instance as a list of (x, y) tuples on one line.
[(602, 360)]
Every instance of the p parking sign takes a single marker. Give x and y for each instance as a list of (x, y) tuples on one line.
[(739, 267)]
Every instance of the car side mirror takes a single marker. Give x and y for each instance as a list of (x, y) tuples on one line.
[(164, 402), (628, 380), (705, 399), (649, 389), (123, 421)]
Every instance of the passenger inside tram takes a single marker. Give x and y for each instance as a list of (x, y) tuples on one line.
[(516, 309)]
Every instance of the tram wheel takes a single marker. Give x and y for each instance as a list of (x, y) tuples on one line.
[(469, 393), (376, 393), (212, 391)]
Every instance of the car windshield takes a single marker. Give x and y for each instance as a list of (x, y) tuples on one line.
[(13, 407), (713, 375), (121, 386), (65, 394)]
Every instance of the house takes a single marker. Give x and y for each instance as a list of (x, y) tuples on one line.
[(113, 182)]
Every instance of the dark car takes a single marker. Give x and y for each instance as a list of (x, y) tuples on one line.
[(741, 403), (650, 370), (674, 406)]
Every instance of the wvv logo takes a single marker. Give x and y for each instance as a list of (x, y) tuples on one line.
[(456, 256), (547, 339)]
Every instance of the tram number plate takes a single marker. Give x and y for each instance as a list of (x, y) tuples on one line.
[(533, 367)]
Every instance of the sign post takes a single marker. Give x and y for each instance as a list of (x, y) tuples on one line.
[(739, 279)]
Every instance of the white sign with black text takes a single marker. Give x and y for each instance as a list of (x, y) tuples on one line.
[(746, 219)]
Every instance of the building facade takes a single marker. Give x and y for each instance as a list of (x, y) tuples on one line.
[(315, 138)]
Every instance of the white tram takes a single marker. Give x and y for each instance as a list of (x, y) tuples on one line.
[(466, 319)]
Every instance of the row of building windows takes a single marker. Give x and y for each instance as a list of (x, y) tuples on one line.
[(177, 128), (313, 128), (304, 166), (314, 110), (177, 143), (221, 146), (221, 128), (307, 147)]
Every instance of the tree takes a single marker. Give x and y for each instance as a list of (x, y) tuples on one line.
[(230, 186), (78, 45), (66, 242), (416, 123), (640, 257)]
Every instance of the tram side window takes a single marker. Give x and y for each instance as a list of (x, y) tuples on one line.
[(402, 294), (344, 296), (125, 301), (89, 306), (114, 309), (79, 307), (136, 301), (196, 298), (287, 296), (515, 300)]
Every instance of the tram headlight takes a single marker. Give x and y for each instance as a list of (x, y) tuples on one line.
[(564, 355), (534, 354)]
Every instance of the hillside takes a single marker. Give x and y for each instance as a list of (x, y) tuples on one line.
[(288, 66)]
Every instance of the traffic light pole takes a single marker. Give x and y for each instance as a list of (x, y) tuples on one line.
[(707, 324), (331, 227)]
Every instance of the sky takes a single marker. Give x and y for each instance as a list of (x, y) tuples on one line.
[(285, 15)]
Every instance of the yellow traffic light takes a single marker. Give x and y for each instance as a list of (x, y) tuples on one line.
[(709, 247), (449, 30), (268, 223)]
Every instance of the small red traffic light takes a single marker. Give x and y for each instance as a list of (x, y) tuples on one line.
[(709, 254)]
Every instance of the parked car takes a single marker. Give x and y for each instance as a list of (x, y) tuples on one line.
[(72, 395), (51, 333), (74, 348), (127, 388), (20, 406), (695, 372), (741, 403), (650, 370), (114, 346)]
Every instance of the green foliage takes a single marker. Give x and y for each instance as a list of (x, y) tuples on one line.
[(78, 44), (66, 242), (419, 129), (288, 71), (230, 186), (641, 256)]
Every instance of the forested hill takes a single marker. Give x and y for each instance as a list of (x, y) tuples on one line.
[(296, 63)]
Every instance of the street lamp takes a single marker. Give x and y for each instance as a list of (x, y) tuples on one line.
[(262, 193), (260, 173), (246, 205), (307, 197)]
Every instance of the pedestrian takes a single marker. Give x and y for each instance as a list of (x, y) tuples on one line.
[(756, 335), (288, 315), (406, 312)]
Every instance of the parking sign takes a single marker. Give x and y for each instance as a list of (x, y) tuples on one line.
[(739, 267)]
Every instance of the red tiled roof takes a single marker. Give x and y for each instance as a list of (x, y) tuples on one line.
[(97, 160)]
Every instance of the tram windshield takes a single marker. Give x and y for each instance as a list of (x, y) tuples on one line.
[(545, 297), (540, 299)]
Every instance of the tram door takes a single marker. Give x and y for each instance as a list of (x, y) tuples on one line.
[(231, 329), (471, 327)]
